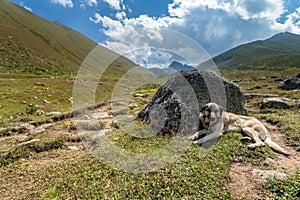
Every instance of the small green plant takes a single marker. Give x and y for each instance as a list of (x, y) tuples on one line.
[(51, 193), (285, 189), (32, 110)]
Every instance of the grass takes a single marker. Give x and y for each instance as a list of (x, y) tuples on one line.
[(58, 173), (193, 175), (25, 151), (285, 189)]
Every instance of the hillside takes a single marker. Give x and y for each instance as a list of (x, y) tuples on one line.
[(278, 52), (32, 45)]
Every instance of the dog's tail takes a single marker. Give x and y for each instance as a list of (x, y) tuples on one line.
[(275, 147)]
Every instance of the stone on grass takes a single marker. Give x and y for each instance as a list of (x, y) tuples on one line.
[(261, 176), (274, 103), (174, 109), (292, 83)]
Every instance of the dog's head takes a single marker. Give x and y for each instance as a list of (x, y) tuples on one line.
[(210, 114)]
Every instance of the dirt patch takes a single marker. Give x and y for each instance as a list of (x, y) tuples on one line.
[(244, 185)]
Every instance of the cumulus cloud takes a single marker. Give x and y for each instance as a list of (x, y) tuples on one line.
[(292, 22), (65, 3), (115, 4), (137, 37), (26, 7), (217, 25), (121, 15)]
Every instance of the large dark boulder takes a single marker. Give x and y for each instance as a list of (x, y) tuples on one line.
[(291, 83), (174, 109)]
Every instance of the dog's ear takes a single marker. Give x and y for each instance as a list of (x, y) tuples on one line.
[(203, 108)]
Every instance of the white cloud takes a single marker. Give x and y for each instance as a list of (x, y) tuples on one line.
[(65, 3), (181, 8), (292, 22), (121, 15), (26, 7), (115, 4), (217, 25), (82, 6), (253, 9), (92, 2)]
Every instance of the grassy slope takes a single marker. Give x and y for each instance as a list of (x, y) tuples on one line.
[(39, 60), (279, 52), (49, 170), (31, 44)]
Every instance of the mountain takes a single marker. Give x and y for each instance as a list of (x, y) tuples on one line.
[(278, 52), (174, 67), (177, 66), (30, 44)]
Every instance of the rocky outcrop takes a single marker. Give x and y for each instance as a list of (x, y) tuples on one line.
[(292, 83), (274, 103), (174, 109)]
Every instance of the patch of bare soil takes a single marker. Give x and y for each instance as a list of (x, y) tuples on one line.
[(246, 181)]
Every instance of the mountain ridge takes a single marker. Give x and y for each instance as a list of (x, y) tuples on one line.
[(277, 52)]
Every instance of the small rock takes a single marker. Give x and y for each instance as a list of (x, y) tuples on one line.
[(298, 102), (99, 115), (262, 78), (291, 83), (73, 148), (279, 79), (133, 106), (23, 127), (268, 161), (256, 87), (274, 103), (28, 142), (53, 113), (40, 84), (40, 129), (138, 95), (45, 101), (255, 95), (22, 138), (261, 176), (86, 117)]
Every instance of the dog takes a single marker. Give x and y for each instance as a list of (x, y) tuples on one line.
[(216, 122)]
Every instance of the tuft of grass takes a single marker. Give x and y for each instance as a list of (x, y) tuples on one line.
[(51, 193), (285, 189), (25, 151)]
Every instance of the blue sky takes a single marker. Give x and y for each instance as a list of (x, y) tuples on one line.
[(217, 25)]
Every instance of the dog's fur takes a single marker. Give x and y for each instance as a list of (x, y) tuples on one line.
[(216, 122)]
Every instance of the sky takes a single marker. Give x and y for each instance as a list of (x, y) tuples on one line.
[(150, 32)]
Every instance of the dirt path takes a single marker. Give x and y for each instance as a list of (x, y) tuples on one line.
[(246, 179)]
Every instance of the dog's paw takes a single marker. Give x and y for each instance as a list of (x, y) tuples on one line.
[(201, 141), (195, 142)]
